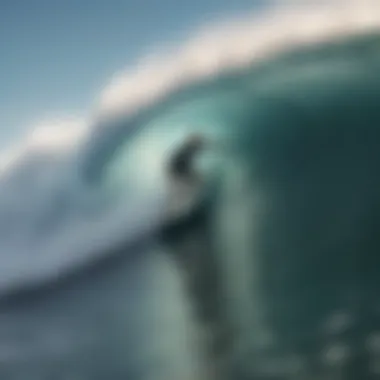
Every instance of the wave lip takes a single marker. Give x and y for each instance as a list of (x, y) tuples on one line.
[(78, 223)]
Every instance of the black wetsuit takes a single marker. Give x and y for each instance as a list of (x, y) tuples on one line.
[(181, 162)]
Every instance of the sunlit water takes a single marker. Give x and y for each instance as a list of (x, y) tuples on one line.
[(90, 289)]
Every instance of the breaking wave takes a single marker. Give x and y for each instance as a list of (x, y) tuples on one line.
[(80, 192)]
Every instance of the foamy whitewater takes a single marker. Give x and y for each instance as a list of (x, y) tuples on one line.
[(59, 211), (89, 284)]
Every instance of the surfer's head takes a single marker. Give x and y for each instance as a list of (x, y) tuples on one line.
[(196, 141)]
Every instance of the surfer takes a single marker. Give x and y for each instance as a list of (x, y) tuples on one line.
[(185, 183), (181, 163)]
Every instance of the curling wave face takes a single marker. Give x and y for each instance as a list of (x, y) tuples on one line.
[(83, 264), (212, 95)]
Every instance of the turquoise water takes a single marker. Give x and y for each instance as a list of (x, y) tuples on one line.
[(280, 261)]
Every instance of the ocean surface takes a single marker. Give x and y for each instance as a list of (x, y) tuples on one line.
[(91, 287)]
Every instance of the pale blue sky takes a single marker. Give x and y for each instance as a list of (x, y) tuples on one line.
[(57, 55)]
